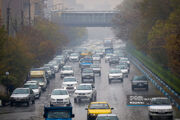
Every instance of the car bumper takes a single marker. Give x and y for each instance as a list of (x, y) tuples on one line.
[(66, 75), (157, 114), (138, 86), (59, 103), (19, 100)]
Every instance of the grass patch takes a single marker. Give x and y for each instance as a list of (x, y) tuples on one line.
[(165, 75)]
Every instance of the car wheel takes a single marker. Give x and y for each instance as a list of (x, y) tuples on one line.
[(150, 117), (27, 103), (75, 100), (11, 104), (121, 80), (132, 87), (109, 81), (69, 104), (100, 74), (33, 101)]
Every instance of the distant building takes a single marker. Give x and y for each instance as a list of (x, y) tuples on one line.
[(18, 13)]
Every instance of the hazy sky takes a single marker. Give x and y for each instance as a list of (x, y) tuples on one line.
[(99, 4)]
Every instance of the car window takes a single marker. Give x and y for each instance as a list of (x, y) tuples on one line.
[(160, 102), (115, 71), (59, 92), (69, 79), (84, 87), (99, 106), (38, 79), (67, 68), (87, 71), (58, 114), (107, 118), (21, 91)]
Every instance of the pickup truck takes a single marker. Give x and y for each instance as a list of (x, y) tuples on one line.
[(58, 113)]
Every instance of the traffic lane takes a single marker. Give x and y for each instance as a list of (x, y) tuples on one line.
[(115, 94), (33, 112)]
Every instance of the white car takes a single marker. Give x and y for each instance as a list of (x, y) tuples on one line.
[(74, 57), (126, 60), (124, 69), (160, 107), (85, 91), (115, 74), (70, 83), (60, 97), (107, 57), (67, 71), (96, 57), (35, 88)]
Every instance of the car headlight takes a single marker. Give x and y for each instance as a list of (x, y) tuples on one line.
[(92, 114), (53, 100)]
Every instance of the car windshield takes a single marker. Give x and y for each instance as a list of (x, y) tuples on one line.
[(58, 115), (107, 118), (115, 71), (69, 79), (21, 91), (124, 59), (160, 102), (99, 106), (140, 78), (31, 86), (94, 66), (46, 68), (95, 55), (84, 87), (67, 68), (38, 79), (122, 67), (87, 71), (74, 54), (59, 92)]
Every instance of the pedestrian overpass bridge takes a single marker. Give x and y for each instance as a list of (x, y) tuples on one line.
[(85, 18)]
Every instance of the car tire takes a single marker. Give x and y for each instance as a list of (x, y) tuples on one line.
[(133, 88), (11, 104), (100, 74), (122, 80), (109, 81), (33, 101), (75, 100), (150, 117), (27, 103)]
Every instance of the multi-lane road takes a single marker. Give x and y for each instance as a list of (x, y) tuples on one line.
[(115, 94)]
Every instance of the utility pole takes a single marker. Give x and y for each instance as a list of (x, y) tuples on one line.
[(8, 17), (29, 12), (22, 17)]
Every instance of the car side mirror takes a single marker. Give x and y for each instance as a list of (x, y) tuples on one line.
[(72, 116), (86, 108), (112, 108)]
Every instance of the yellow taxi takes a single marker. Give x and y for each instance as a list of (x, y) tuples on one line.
[(96, 108)]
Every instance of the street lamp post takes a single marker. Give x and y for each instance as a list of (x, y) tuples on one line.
[(7, 74)]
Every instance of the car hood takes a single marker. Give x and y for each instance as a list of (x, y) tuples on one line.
[(58, 119), (67, 71), (19, 95), (59, 96), (83, 91), (124, 70), (99, 111), (35, 90), (160, 107), (69, 83), (118, 74)]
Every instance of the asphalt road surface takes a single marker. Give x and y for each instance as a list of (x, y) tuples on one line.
[(114, 94)]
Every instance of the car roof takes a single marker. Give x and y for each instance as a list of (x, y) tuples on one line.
[(107, 115), (154, 98), (98, 103), (85, 84)]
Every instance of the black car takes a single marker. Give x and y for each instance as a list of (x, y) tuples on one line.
[(88, 73), (114, 60), (139, 82)]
